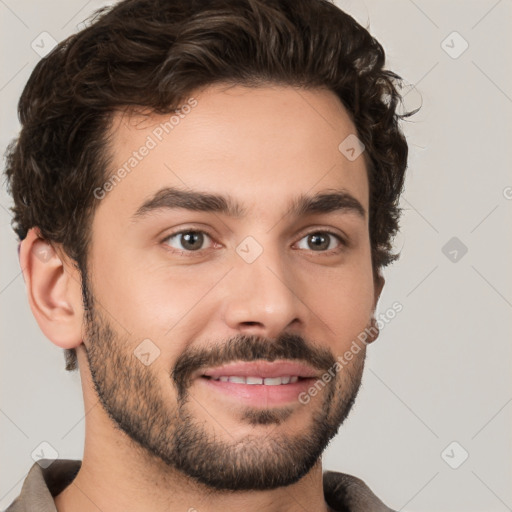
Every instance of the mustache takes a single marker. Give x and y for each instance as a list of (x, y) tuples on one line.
[(249, 348)]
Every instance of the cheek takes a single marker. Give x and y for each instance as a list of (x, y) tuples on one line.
[(343, 299), (155, 300), (133, 296)]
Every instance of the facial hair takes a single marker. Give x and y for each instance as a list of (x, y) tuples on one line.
[(132, 396)]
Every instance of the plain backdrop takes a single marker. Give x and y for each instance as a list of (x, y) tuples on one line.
[(431, 429)]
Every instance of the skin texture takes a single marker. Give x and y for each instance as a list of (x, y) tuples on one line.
[(156, 437)]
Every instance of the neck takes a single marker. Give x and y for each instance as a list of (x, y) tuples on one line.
[(117, 475), (109, 480)]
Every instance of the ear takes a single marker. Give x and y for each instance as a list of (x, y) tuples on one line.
[(54, 290), (379, 282), (372, 330)]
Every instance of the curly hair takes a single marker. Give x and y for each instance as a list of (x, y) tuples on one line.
[(153, 54)]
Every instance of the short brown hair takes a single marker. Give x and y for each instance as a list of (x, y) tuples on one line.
[(155, 53)]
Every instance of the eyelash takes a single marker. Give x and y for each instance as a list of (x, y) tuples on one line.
[(200, 252)]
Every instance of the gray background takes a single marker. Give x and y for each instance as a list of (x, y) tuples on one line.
[(441, 369)]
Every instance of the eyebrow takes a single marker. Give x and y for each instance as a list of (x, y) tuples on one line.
[(172, 198)]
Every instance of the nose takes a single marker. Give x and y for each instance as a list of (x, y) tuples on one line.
[(263, 297)]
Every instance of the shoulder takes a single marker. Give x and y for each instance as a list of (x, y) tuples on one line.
[(347, 493), (45, 479)]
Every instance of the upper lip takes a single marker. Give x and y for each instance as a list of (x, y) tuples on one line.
[(261, 369)]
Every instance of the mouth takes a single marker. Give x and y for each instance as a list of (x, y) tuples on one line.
[(260, 383), (261, 372), (255, 393), (255, 380)]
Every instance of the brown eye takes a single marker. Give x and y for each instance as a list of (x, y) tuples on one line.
[(322, 241), (188, 240)]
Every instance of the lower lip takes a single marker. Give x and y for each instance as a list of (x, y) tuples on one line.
[(260, 395)]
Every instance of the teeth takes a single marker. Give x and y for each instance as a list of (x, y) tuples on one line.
[(237, 380), (269, 381), (256, 380)]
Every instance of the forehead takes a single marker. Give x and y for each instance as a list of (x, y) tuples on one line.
[(261, 145)]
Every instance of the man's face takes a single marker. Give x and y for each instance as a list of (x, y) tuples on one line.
[(269, 285)]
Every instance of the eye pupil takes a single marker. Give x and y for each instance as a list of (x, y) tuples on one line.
[(191, 237), (323, 241)]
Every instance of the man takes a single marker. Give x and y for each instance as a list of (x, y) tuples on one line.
[(206, 194)]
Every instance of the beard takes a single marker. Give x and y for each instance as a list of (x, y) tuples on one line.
[(169, 432)]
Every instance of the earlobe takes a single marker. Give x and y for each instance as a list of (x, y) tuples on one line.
[(372, 331), (53, 290)]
